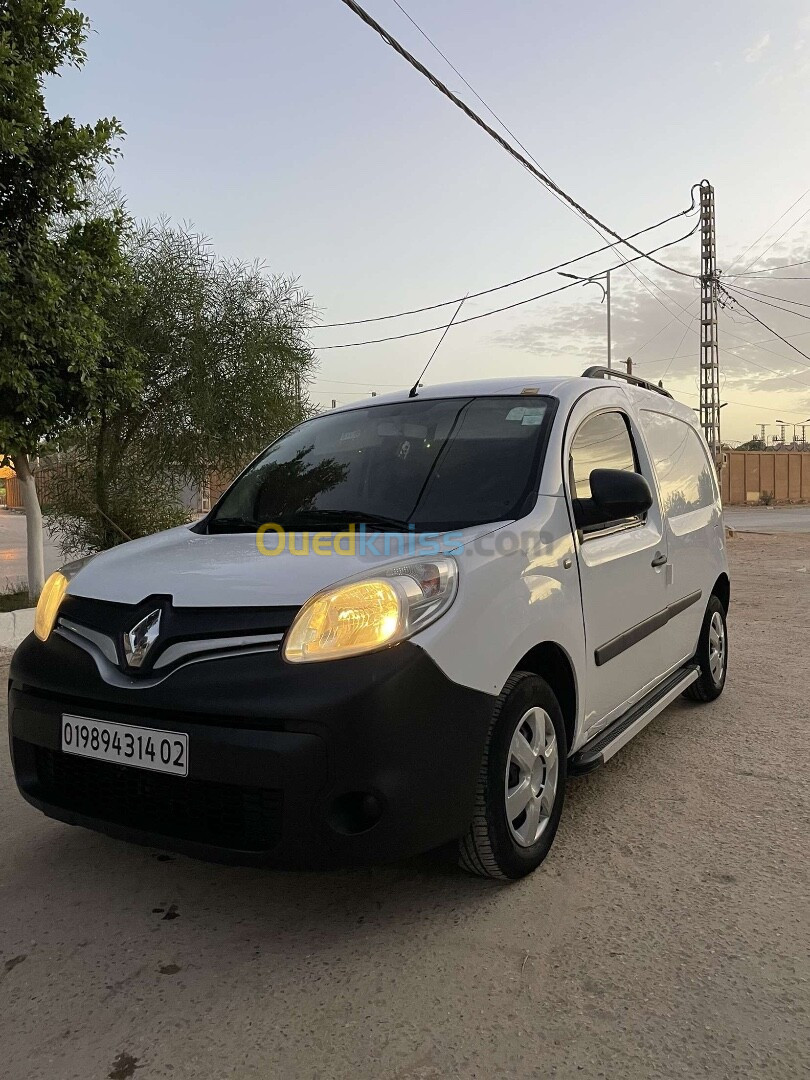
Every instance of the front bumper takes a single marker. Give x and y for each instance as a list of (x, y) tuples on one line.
[(369, 758)]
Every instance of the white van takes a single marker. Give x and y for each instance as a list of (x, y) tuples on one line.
[(404, 624)]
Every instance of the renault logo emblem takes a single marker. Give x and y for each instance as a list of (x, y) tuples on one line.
[(140, 639)]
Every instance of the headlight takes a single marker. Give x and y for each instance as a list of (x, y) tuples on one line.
[(52, 595), (48, 605), (362, 614)]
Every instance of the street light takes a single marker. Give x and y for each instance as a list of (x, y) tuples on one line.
[(596, 280), (787, 423)]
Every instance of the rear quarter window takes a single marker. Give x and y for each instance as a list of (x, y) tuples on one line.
[(685, 476)]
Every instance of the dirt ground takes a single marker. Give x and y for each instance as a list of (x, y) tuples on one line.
[(666, 935)]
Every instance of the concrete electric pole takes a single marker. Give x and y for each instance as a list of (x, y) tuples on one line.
[(709, 352)]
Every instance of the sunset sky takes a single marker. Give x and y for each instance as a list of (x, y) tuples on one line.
[(288, 132)]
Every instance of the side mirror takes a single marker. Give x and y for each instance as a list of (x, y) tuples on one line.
[(620, 494)]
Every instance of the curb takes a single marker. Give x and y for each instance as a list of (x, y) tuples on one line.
[(14, 626)]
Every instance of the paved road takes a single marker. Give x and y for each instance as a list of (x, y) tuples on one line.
[(765, 519), (13, 568), (665, 937)]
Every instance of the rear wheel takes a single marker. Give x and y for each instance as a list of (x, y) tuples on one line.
[(521, 786), (711, 655)]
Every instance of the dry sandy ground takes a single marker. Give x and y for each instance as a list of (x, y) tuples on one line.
[(666, 935)]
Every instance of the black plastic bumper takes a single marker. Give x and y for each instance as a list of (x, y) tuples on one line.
[(368, 758)]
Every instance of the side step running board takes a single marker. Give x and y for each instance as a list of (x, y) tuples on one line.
[(608, 742)]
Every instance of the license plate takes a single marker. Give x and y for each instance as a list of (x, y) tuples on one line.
[(126, 744)]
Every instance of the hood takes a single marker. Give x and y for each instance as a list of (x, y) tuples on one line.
[(228, 570)]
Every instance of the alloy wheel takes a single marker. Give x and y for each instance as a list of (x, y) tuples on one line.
[(717, 647), (532, 769)]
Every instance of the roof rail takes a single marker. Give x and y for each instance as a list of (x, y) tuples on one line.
[(612, 373)]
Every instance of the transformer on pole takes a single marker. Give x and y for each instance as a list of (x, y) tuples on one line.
[(709, 351)]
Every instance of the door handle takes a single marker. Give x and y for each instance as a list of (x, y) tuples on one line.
[(659, 559)]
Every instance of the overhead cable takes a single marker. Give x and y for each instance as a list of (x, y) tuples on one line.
[(498, 288), (537, 173), (495, 311)]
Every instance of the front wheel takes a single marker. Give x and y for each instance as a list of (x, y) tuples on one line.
[(521, 786), (711, 655)]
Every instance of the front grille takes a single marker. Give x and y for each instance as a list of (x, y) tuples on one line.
[(224, 815)]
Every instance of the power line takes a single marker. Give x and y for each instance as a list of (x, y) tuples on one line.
[(680, 346), (773, 371), (472, 89), (498, 288), (779, 237), (537, 173), (770, 270), (495, 311), (637, 273), (768, 296), (494, 115), (756, 318), (758, 344), (798, 314), (731, 401), (750, 246)]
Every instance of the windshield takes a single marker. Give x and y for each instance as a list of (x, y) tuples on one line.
[(428, 465)]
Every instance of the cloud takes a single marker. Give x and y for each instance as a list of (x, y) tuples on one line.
[(652, 327), (754, 54)]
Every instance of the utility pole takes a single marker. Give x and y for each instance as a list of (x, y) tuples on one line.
[(762, 433), (629, 365), (709, 352)]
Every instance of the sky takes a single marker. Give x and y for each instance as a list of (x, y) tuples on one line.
[(287, 131)]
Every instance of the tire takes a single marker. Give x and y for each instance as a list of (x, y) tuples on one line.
[(495, 846), (713, 662)]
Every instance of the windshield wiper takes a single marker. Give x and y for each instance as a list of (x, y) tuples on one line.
[(351, 517), (309, 519), (232, 524)]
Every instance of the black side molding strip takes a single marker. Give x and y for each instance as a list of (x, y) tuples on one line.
[(637, 633)]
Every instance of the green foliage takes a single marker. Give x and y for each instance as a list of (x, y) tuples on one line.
[(135, 503), (56, 271), (753, 444), (218, 350), (14, 597), (221, 346)]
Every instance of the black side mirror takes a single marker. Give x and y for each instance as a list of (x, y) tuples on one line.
[(620, 494)]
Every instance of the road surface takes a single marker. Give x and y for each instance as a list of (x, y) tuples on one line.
[(666, 936), (766, 519)]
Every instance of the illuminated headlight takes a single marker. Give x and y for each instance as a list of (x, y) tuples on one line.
[(51, 597), (367, 613), (48, 605)]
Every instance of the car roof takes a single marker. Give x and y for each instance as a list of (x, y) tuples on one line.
[(565, 388)]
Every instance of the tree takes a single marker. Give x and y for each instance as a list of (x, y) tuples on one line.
[(220, 353), (54, 276)]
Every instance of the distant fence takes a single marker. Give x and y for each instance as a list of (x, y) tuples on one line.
[(13, 498), (750, 474)]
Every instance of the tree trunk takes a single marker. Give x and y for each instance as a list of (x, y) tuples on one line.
[(33, 525)]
